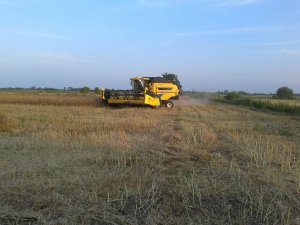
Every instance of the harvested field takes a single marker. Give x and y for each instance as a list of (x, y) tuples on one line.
[(199, 163), (45, 98)]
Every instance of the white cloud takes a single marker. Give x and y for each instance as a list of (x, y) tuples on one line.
[(39, 34), (164, 3), (18, 4), (291, 52), (11, 61), (278, 43), (237, 2), (62, 56), (161, 3), (239, 30), (42, 56)]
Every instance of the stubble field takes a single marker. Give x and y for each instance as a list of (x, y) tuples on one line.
[(65, 159)]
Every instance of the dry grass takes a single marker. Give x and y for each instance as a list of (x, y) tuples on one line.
[(44, 98), (6, 123), (198, 164)]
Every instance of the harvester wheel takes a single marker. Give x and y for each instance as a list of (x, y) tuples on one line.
[(169, 104)]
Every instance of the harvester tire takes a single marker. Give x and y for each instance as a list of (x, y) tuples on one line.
[(169, 104)]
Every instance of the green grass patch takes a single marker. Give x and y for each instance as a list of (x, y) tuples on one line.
[(262, 104)]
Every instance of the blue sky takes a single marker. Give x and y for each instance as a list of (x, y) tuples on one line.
[(250, 45)]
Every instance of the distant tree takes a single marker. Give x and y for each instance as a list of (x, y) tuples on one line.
[(97, 90), (284, 93), (242, 93), (85, 90), (274, 96), (232, 95), (174, 78)]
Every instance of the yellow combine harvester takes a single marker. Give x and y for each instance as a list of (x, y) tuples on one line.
[(151, 91)]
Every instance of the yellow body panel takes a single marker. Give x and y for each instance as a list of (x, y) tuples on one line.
[(153, 101), (165, 91)]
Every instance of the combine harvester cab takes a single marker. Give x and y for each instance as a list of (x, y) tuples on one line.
[(146, 91)]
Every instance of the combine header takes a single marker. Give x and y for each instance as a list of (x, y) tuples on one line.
[(149, 91)]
